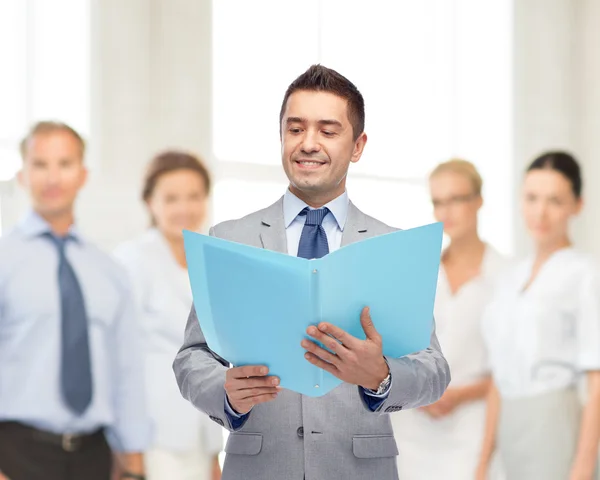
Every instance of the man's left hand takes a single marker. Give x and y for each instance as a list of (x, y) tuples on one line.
[(355, 361)]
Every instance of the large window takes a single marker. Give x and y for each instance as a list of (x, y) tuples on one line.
[(44, 58), (436, 77), (13, 83)]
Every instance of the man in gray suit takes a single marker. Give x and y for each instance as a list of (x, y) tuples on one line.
[(277, 433)]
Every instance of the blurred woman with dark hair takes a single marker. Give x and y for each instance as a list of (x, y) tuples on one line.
[(176, 190), (542, 330)]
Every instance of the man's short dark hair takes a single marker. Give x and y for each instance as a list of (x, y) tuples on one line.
[(322, 79)]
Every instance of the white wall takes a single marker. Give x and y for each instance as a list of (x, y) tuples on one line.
[(557, 102), (587, 97), (152, 91)]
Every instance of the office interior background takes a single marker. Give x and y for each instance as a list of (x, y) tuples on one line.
[(494, 82)]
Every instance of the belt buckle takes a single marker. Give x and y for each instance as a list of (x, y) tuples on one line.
[(70, 443)]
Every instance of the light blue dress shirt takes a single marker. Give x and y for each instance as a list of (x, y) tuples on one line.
[(30, 336), (333, 224)]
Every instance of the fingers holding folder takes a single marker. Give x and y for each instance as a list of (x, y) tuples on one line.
[(248, 386), (355, 361)]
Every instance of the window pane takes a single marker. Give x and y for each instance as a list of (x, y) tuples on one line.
[(256, 55), (401, 60), (236, 198), (407, 205), (60, 66), (13, 63), (483, 115), (10, 162), (396, 203)]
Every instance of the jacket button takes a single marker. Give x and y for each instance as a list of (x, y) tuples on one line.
[(300, 432)]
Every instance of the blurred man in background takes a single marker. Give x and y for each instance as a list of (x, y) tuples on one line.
[(70, 367)]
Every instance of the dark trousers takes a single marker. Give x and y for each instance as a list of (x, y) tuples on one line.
[(30, 454)]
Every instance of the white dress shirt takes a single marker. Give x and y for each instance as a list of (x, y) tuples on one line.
[(542, 338), (164, 297), (456, 438)]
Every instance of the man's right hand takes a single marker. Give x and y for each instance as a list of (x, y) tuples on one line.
[(3, 477), (248, 386)]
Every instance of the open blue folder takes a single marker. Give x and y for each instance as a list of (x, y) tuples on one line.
[(254, 305)]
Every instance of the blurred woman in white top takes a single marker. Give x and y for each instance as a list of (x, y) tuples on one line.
[(443, 440), (186, 442), (542, 330)]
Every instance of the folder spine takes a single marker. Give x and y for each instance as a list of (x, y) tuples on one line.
[(314, 294), (317, 313)]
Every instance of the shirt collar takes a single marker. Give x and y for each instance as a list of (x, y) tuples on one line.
[(292, 206), (33, 225)]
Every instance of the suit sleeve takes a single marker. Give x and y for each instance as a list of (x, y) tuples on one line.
[(200, 374), (418, 379)]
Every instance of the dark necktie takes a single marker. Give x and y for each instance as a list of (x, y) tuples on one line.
[(75, 367), (313, 241)]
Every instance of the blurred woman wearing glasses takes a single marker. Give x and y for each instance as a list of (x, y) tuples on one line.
[(444, 440), (542, 329), (186, 442)]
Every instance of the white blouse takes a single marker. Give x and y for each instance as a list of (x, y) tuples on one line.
[(458, 319), (542, 338), (454, 440), (164, 298)]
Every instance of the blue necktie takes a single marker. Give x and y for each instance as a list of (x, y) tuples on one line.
[(75, 368), (313, 241)]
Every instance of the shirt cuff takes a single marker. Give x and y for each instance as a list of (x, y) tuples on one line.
[(135, 441), (229, 409), (236, 419)]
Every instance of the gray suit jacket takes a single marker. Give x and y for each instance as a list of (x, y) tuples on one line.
[(294, 437)]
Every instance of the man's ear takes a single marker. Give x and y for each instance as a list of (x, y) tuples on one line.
[(359, 146)]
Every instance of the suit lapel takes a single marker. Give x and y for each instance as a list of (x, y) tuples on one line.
[(272, 228), (356, 226), (272, 233)]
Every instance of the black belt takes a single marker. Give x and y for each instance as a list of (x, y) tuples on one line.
[(69, 442)]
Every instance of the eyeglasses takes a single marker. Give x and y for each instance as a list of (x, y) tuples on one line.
[(453, 201)]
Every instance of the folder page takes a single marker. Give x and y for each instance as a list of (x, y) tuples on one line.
[(393, 274)]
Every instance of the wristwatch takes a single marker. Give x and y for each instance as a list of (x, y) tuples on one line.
[(383, 386)]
